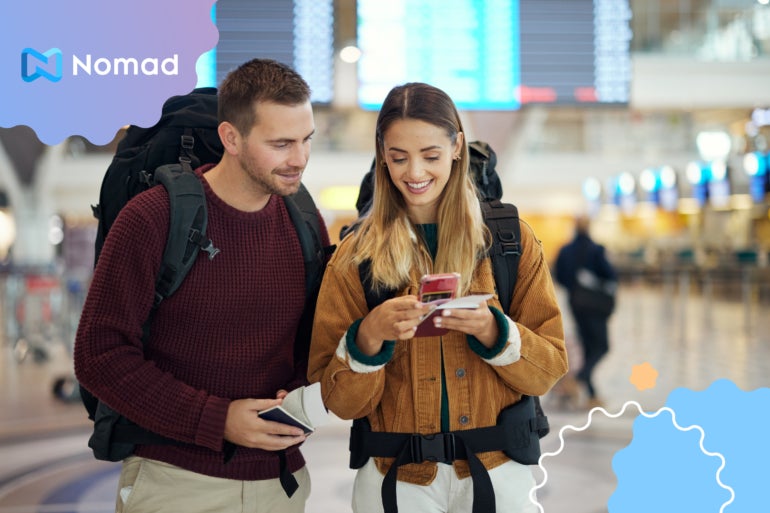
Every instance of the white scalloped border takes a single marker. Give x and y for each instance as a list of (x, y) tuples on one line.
[(610, 415)]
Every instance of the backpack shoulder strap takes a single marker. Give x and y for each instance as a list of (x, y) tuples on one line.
[(305, 218), (187, 227), (502, 219), (304, 215), (373, 297)]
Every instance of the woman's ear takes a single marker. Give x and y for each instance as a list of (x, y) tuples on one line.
[(230, 137), (459, 142)]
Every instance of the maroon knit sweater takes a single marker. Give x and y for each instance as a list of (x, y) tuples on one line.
[(227, 333)]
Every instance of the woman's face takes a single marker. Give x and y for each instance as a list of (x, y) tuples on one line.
[(419, 158)]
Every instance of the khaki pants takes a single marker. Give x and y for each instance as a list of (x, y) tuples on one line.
[(149, 486)]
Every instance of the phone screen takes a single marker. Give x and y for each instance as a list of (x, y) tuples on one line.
[(429, 297)]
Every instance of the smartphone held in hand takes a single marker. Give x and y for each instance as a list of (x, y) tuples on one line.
[(438, 288), (440, 291)]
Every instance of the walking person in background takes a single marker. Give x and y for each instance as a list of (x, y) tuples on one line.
[(225, 345), (426, 218), (581, 267)]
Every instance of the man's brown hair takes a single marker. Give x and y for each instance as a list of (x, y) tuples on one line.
[(258, 80)]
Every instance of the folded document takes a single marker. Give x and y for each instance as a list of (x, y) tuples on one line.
[(426, 327), (302, 407)]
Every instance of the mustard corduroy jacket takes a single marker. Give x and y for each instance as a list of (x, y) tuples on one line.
[(403, 395)]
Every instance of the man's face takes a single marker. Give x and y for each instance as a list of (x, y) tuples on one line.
[(276, 150)]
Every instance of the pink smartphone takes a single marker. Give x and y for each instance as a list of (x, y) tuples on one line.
[(438, 288), (435, 289)]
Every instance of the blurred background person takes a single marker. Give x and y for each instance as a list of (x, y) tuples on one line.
[(583, 269)]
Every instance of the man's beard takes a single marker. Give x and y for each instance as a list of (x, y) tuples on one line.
[(263, 180)]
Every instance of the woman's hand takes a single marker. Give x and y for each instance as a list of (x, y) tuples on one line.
[(479, 322), (394, 319)]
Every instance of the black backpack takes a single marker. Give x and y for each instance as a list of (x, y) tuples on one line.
[(184, 138), (186, 133)]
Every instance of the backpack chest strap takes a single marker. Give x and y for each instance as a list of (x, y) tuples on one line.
[(510, 435)]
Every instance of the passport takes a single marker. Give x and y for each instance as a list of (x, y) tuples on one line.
[(426, 327), (302, 407)]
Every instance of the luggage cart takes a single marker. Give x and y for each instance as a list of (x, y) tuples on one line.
[(37, 308), (66, 388)]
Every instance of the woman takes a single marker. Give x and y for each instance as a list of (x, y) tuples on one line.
[(426, 218)]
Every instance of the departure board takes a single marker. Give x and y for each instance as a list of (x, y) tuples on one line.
[(469, 48), (575, 51), (497, 54), (296, 32)]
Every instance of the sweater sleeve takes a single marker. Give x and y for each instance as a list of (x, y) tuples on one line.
[(109, 354)]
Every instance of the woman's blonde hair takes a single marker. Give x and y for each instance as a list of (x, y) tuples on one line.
[(387, 237)]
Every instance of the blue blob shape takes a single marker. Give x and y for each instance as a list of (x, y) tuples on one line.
[(736, 425), (664, 470)]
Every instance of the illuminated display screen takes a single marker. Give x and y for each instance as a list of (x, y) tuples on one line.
[(497, 54), (466, 47), (296, 32)]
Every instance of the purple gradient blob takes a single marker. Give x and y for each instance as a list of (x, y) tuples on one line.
[(96, 106)]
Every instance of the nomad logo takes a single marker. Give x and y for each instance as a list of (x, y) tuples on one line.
[(43, 64), (125, 66), (50, 59)]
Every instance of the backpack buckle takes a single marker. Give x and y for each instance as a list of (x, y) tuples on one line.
[(197, 238), (507, 243), (210, 249), (146, 178), (439, 447), (188, 142)]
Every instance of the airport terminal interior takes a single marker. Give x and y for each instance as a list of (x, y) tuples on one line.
[(661, 138)]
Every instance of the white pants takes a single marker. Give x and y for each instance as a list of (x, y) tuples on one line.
[(511, 481)]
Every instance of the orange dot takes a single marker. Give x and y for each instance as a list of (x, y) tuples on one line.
[(643, 376)]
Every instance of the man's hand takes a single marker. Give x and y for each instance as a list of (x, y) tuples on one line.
[(245, 428)]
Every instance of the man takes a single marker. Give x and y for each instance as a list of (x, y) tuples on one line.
[(582, 252), (222, 347)]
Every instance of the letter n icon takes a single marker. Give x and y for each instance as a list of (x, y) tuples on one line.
[(47, 65)]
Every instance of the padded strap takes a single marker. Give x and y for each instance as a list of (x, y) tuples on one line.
[(288, 481), (304, 216), (188, 213), (373, 297), (503, 222)]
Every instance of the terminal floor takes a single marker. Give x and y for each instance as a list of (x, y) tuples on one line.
[(45, 465)]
